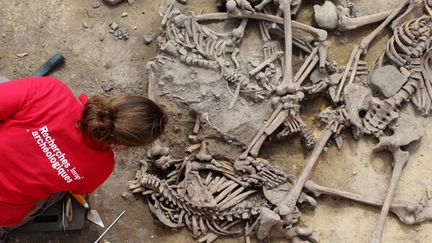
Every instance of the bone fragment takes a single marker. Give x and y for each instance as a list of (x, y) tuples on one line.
[(192, 148), (239, 31), (266, 62), (322, 51), (203, 154), (235, 97), (151, 80), (157, 150), (197, 125)]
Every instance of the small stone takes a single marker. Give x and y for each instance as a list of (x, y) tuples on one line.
[(108, 65), (131, 2), (135, 28), (182, 1), (148, 37), (124, 14), (114, 26), (21, 55), (94, 13), (85, 25), (152, 236), (354, 173), (316, 76), (95, 4), (125, 194), (217, 93), (387, 80)]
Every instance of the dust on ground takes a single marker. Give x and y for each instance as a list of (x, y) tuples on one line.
[(97, 63)]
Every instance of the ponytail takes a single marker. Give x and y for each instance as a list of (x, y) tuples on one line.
[(125, 120)]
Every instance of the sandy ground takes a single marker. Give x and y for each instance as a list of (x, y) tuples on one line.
[(97, 63)]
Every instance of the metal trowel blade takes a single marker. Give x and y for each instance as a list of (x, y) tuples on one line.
[(93, 216)]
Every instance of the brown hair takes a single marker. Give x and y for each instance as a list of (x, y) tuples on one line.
[(124, 120)]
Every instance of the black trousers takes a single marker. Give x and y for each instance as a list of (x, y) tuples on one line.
[(40, 208)]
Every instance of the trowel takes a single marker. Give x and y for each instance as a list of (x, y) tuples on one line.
[(92, 214)]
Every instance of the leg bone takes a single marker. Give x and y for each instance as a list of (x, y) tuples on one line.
[(408, 213), (287, 84), (287, 206), (319, 34)]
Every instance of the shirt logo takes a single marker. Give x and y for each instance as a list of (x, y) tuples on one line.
[(58, 160)]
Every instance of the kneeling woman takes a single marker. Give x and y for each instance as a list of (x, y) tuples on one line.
[(51, 142)]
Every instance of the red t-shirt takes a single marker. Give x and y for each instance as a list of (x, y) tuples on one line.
[(42, 151)]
